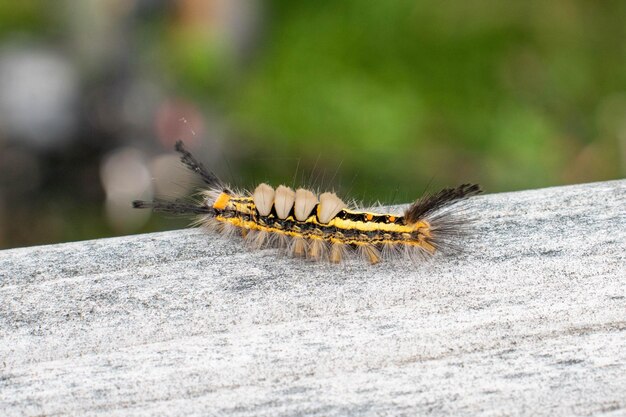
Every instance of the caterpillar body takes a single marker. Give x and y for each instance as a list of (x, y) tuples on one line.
[(321, 227)]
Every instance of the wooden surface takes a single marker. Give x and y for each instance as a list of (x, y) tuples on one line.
[(530, 320)]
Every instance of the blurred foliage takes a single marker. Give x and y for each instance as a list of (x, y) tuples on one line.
[(402, 92), (26, 15), (382, 99)]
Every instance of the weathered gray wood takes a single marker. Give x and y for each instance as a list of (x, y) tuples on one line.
[(531, 320)]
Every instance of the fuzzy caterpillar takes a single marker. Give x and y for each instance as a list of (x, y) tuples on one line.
[(321, 227)]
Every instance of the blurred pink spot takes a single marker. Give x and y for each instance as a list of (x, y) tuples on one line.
[(178, 119)]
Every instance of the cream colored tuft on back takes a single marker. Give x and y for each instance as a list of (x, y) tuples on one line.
[(283, 201), (305, 202), (263, 199), (329, 206)]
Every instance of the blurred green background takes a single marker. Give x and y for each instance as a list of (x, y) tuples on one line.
[(376, 99)]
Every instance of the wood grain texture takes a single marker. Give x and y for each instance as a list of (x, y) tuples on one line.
[(530, 320)]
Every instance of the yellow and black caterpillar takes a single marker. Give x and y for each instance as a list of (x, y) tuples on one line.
[(321, 227)]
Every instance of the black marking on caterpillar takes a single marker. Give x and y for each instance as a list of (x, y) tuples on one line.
[(322, 227)]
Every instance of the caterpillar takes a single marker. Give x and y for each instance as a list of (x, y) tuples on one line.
[(320, 227)]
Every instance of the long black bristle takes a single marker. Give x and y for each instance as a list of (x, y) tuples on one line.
[(193, 164), (172, 207), (431, 203)]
